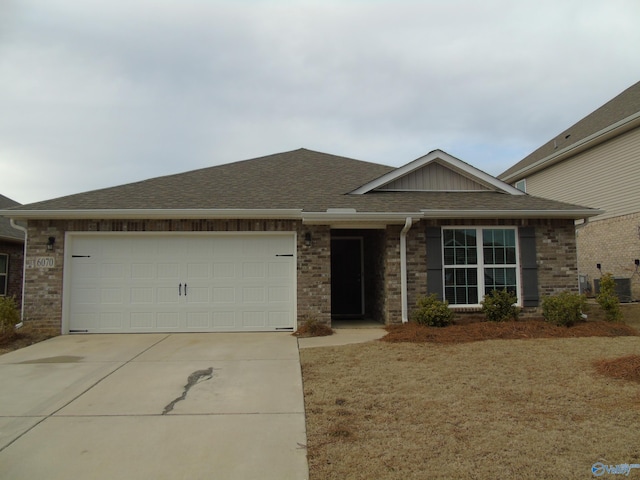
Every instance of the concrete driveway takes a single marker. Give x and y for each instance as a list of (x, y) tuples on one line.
[(154, 406)]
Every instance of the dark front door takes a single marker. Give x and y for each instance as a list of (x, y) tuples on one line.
[(347, 292)]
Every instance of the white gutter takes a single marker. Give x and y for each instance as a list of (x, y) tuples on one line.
[(336, 217), (403, 269), (329, 216), (568, 214), (156, 213), (24, 268)]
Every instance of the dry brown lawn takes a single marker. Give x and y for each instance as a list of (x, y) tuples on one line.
[(528, 408)]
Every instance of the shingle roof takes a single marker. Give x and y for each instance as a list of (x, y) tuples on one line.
[(622, 106), (300, 179), (7, 232)]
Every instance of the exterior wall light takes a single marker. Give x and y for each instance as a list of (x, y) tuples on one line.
[(307, 239), (50, 243)]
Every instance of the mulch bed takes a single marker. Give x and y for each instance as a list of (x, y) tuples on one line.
[(22, 338), (478, 331), (627, 367)]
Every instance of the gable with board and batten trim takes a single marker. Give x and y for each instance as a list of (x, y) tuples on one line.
[(437, 172)]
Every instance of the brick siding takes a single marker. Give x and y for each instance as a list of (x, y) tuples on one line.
[(43, 286), (555, 247), (314, 274), (615, 244), (556, 253)]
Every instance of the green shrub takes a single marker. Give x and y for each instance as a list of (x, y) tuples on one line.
[(432, 312), (608, 300), (9, 317), (564, 309), (499, 306)]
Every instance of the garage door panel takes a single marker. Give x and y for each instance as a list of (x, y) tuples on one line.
[(142, 295), (143, 271), (112, 271), (86, 319), (253, 319), (113, 296), (197, 321), (142, 321), (85, 270), (278, 319), (198, 295), (253, 270), (87, 296), (224, 319), (168, 321), (137, 283), (224, 270), (198, 271), (169, 271), (113, 321), (279, 270), (223, 295), (255, 294)]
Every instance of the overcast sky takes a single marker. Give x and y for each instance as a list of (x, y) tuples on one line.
[(101, 93)]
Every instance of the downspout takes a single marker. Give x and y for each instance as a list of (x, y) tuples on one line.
[(24, 268), (403, 269)]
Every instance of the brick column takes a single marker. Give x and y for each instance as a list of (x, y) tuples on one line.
[(314, 273), (392, 285)]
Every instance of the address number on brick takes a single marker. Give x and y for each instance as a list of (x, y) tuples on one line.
[(42, 262)]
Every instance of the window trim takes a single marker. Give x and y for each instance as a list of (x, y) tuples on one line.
[(480, 265), (4, 276), (521, 185)]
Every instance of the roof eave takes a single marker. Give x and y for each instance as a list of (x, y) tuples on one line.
[(8, 239), (591, 141), (573, 214), (361, 218), (136, 214)]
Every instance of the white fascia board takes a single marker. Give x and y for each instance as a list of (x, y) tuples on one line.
[(137, 214), (591, 141), (567, 214), (452, 161), (371, 219)]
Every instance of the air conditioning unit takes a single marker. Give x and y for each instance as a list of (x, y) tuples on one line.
[(623, 288)]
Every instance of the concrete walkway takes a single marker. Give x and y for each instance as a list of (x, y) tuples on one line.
[(153, 406)]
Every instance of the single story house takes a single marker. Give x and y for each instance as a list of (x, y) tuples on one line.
[(11, 255), (261, 244)]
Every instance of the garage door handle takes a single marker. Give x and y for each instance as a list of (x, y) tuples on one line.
[(185, 289), (179, 289)]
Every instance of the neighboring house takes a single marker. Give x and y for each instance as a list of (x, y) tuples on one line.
[(596, 163), (11, 255), (262, 244)]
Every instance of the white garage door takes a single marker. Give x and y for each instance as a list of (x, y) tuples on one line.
[(180, 283)]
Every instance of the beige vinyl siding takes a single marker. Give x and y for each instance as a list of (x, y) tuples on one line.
[(604, 177), (434, 177)]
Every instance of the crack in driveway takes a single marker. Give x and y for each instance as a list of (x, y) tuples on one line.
[(195, 377)]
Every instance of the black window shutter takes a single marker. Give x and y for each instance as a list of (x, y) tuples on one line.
[(529, 266), (434, 261)]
